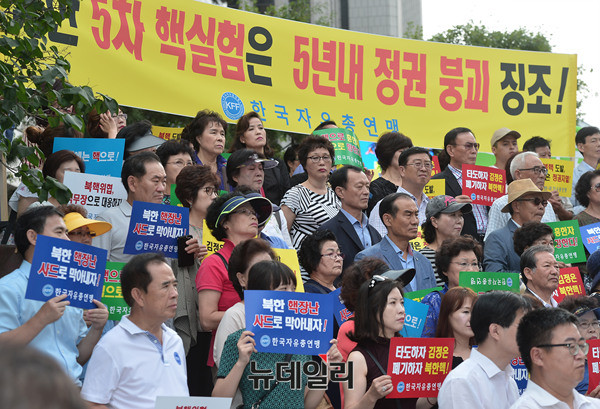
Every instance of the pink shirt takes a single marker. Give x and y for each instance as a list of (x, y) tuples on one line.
[(345, 345)]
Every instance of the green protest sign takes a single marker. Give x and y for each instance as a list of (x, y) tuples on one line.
[(481, 282), (420, 294), (346, 145), (112, 296), (568, 246), (173, 198)]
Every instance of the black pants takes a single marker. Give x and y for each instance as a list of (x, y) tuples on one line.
[(199, 374)]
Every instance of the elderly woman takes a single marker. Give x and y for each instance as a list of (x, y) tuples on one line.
[(251, 134), (388, 149), (461, 253), (587, 192), (231, 218), (206, 133), (444, 220), (321, 258), (174, 156), (310, 204)]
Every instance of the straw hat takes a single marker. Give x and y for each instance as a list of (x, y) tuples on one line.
[(520, 188), (75, 220)]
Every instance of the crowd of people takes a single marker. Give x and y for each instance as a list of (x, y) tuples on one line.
[(186, 333)]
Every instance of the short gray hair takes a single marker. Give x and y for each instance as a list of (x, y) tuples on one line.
[(529, 257), (519, 161)]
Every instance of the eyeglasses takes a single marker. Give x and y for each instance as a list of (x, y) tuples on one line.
[(475, 266), (421, 165), (247, 212), (210, 190), (82, 233), (181, 163), (317, 159), (588, 324), (334, 256), (596, 187), (573, 348), (469, 146), (120, 116), (536, 201), (537, 170)]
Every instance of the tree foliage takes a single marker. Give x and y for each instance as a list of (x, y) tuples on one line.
[(34, 84)]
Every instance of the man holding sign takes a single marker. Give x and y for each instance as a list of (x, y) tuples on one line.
[(52, 326)]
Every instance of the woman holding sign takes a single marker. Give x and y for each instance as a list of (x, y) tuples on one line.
[(379, 316)]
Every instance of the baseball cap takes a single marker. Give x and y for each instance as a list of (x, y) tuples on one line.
[(445, 204), (501, 133)]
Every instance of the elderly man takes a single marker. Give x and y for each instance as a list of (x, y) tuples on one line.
[(401, 217), (526, 203), (140, 358), (526, 165), (415, 168), (540, 272), (144, 179), (554, 353)]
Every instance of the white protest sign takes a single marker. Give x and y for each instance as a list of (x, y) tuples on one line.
[(191, 402), (94, 192)]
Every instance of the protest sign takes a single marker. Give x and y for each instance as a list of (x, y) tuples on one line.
[(191, 402), (112, 296), (369, 158), (414, 321), (342, 314), (418, 366), (483, 184), (289, 257), (101, 156), (569, 283), (418, 242), (520, 374), (173, 197), (568, 246), (559, 176), (346, 145), (436, 165), (290, 322), (155, 227), (212, 244), (94, 192), (481, 282), (435, 187), (167, 133), (66, 267), (420, 294), (590, 236), (296, 75), (593, 363)]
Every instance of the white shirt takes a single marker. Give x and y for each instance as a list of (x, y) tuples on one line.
[(478, 383), (375, 220), (114, 240), (129, 368), (536, 397), (497, 219)]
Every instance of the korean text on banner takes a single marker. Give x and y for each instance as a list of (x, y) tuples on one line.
[(559, 176), (520, 374), (481, 282), (66, 267), (418, 366), (345, 144), (167, 133), (435, 187), (483, 184), (590, 235), (297, 75), (191, 402), (593, 363), (101, 156), (290, 323), (569, 283), (568, 246), (112, 295), (155, 227), (94, 192), (414, 320), (342, 314), (418, 242)]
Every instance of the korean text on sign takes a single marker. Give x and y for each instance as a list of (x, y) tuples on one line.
[(418, 366), (483, 184), (568, 246), (590, 235), (569, 283), (155, 227), (346, 145), (593, 362), (66, 267), (112, 296), (559, 176), (290, 322), (482, 282), (94, 192)]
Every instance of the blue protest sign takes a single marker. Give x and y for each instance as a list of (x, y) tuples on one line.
[(66, 267), (101, 156), (289, 322), (590, 235), (520, 374), (155, 227), (341, 312), (414, 322)]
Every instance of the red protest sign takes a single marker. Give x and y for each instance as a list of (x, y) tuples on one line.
[(483, 184), (436, 166), (418, 366), (569, 283), (593, 358)]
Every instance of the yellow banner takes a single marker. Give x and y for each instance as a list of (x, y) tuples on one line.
[(418, 242), (166, 133), (559, 177), (182, 56), (435, 187)]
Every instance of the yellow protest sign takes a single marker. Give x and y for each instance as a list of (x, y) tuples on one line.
[(183, 55), (419, 242), (435, 187), (559, 177), (212, 244), (166, 133)]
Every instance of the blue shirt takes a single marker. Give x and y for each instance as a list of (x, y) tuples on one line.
[(434, 301), (360, 228), (408, 263), (221, 164), (58, 339), (274, 241)]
